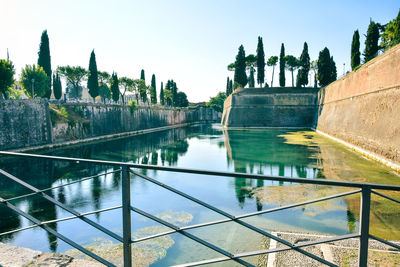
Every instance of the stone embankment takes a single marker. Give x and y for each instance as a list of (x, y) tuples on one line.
[(33, 122)]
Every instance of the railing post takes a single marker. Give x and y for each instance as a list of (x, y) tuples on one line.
[(364, 226), (126, 216)]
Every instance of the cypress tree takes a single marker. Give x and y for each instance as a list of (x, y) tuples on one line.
[(355, 50), (93, 80), (114, 87), (371, 42), (153, 90), (240, 68), (142, 75), (174, 91), (162, 94), (333, 70), (282, 66), (325, 72), (227, 86), (304, 66), (44, 59), (57, 86), (260, 62), (251, 78), (230, 86)]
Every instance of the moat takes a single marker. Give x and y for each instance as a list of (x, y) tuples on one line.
[(292, 153)]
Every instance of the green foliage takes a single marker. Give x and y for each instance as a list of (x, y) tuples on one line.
[(142, 88), (127, 84), (251, 78), (103, 76), (231, 67), (272, 61), (57, 87), (168, 96), (153, 90), (240, 76), (162, 99), (181, 100), (32, 75), (292, 63), (282, 67), (391, 35), (104, 92), (114, 87), (132, 106), (371, 42), (142, 75), (217, 102), (74, 76), (228, 86), (314, 68), (14, 93), (93, 81), (355, 50), (304, 66), (44, 59), (63, 112), (326, 68), (260, 62), (6, 76)]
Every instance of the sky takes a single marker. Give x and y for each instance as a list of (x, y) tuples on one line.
[(189, 41)]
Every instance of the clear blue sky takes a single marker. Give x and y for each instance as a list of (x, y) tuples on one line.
[(189, 41)]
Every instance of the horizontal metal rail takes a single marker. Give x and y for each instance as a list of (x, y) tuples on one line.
[(384, 196), (213, 173), (55, 233), (233, 218), (385, 241), (59, 220), (61, 205), (62, 185)]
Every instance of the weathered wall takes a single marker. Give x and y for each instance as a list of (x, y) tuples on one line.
[(363, 107), (28, 123), (270, 107), (24, 123)]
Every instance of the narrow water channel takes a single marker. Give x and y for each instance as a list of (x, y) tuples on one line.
[(293, 153)]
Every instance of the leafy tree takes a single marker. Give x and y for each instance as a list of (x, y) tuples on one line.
[(74, 76), (371, 42), (355, 50), (153, 90), (260, 62), (93, 80), (391, 34), (162, 100), (326, 68), (114, 87), (292, 64), (44, 59), (272, 61), (57, 87), (6, 76), (282, 66), (127, 84), (240, 67), (304, 66), (217, 102), (104, 90), (314, 68), (251, 78), (34, 77), (142, 75), (142, 88), (181, 99)]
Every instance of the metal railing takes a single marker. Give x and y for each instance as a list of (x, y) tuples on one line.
[(128, 169)]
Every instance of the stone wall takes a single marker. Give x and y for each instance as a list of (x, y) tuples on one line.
[(363, 107), (270, 107), (29, 123)]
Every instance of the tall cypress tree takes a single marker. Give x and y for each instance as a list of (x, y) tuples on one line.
[(325, 72), (282, 66), (174, 90), (230, 86), (44, 59), (162, 99), (251, 78), (93, 80), (240, 76), (333, 70), (142, 75), (57, 86), (114, 87), (304, 66), (260, 62), (227, 86), (355, 50), (153, 90), (371, 42)]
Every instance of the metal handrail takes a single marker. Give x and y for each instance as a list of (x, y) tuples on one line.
[(364, 188)]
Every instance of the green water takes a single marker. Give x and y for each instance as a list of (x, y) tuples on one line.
[(290, 153)]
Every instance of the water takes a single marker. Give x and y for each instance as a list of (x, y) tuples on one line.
[(292, 153)]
